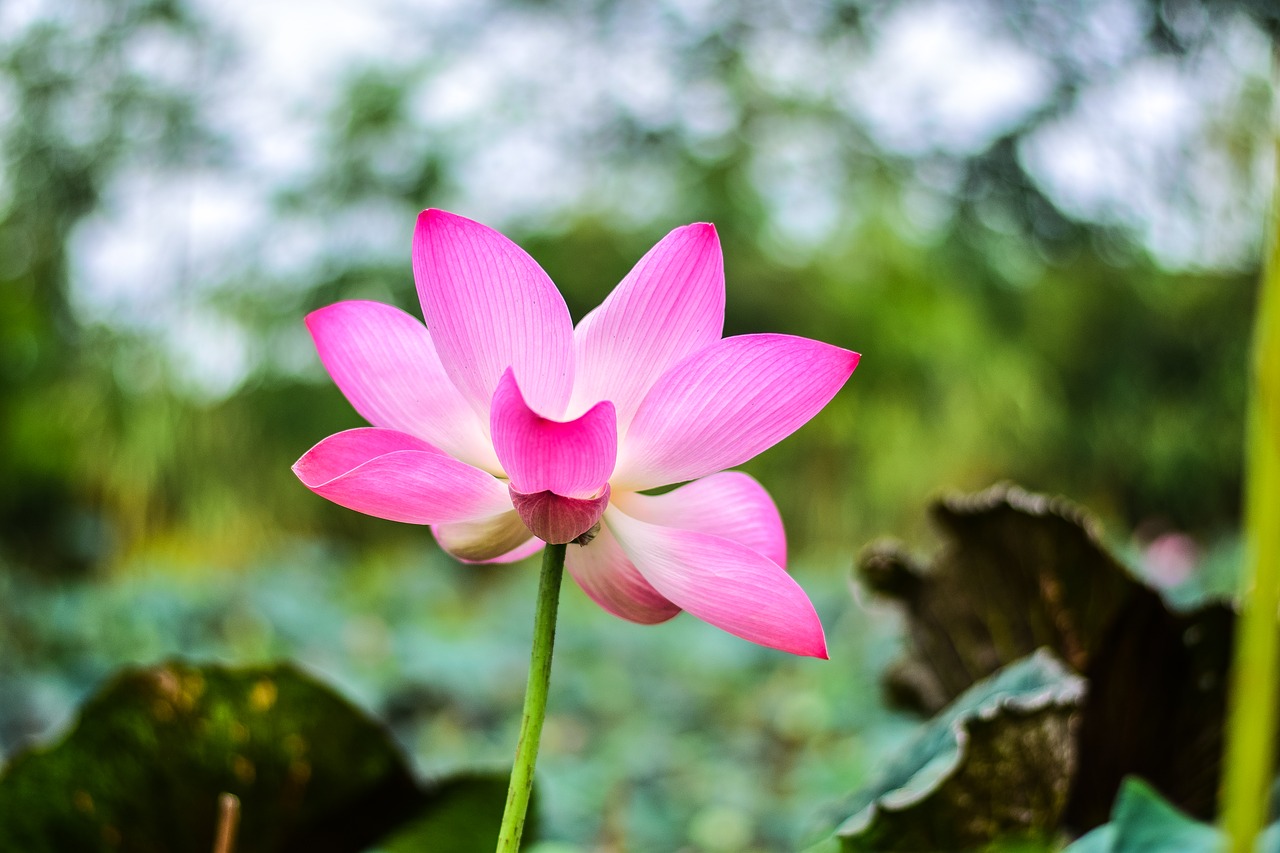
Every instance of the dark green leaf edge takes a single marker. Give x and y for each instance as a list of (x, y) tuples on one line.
[(1036, 683)]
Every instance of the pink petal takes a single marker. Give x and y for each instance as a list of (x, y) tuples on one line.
[(339, 453), (670, 305), (383, 360), (608, 578), (489, 306), (726, 403), (501, 538), (572, 459), (556, 519), (722, 582), (391, 475), (729, 504)]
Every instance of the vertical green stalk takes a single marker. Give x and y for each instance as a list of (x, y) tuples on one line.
[(535, 699), (1250, 752)]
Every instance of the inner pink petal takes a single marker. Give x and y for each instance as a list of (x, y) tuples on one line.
[(556, 519), (572, 459)]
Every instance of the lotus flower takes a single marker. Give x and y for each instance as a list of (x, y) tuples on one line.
[(502, 426)]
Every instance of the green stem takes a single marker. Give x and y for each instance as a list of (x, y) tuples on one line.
[(535, 699), (1250, 752)]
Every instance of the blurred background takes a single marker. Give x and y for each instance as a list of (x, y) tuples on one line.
[(1039, 222)]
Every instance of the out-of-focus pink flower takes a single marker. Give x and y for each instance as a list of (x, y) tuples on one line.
[(1170, 559), (502, 426)]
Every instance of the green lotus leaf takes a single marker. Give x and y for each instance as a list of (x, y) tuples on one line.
[(1019, 571), (996, 763), (142, 769), (1144, 822)]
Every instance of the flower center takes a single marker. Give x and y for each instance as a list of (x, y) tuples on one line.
[(556, 519)]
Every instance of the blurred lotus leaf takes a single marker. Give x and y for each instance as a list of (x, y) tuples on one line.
[(1020, 571), (997, 762), (1143, 822), (1156, 708), (1017, 572), (143, 767), (464, 817)]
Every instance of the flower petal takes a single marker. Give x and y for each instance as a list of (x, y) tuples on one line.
[(489, 306), (726, 403), (500, 538), (528, 549), (610, 580), (729, 504), (341, 452), (392, 475), (559, 520), (384, 362), (572, 459), (670, 305), (722, 582)]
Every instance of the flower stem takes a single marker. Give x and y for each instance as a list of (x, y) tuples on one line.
[(535, 699), (1250, 752)]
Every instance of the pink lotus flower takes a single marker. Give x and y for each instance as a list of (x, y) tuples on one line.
[(502, 426)]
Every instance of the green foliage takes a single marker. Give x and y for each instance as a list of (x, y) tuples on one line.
[(1143, 822), (464, 818), (666, 737), (1022, 750), (144, 766), (78, 113), (1005, 339), (1019, 571), (997, 762)]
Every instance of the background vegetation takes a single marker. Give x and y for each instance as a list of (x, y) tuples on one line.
[(1039, 222)]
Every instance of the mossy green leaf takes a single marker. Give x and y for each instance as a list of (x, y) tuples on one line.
[(142, 769)]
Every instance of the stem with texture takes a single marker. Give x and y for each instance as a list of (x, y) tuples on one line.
[(535, 699)]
